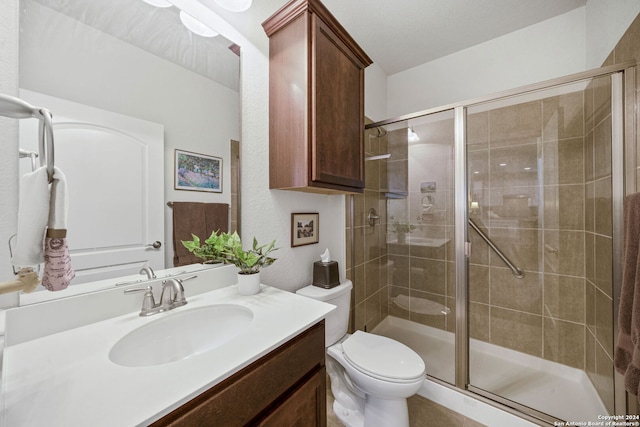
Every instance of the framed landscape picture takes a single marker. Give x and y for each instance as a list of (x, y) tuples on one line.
[(198, 172), (304, 228)]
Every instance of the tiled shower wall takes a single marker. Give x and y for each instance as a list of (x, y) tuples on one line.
[(599, 336), (565, 313), (369, 271)]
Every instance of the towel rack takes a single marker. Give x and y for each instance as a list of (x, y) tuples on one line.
[(16, 108), (517, 272)]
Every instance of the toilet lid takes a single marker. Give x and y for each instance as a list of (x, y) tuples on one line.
[(382, 357)]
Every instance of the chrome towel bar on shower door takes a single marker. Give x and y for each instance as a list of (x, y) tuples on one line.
[(517, 272)]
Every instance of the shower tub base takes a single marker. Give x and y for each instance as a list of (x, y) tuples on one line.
[(546, 386)]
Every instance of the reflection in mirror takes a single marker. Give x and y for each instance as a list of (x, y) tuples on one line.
[(128, 84)]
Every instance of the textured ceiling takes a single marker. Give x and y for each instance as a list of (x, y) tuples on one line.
[(155, 30), (396, 34), (400, 34)]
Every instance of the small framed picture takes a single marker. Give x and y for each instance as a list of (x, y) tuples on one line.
[(305, 228), (198, 172), (428, 187)]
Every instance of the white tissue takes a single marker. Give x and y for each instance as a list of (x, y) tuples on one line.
[(326, 256)]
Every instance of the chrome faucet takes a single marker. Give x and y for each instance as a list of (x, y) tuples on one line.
[(172, 296), (149, 272)]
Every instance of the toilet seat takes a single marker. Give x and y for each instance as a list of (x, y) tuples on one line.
[(383, 358)]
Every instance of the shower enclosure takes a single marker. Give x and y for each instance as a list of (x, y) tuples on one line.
[(501, 243)]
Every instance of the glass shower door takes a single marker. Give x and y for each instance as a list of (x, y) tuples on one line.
[(540, 197), (420, 239)]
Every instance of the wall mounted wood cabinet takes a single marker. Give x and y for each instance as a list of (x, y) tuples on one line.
[(316, 101)]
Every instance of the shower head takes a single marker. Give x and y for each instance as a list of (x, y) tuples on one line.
[(381, 132)]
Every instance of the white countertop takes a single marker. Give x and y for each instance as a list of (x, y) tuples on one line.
[(66, 379)]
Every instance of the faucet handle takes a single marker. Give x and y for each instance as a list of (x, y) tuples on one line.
[(149, 272), (148, 302)]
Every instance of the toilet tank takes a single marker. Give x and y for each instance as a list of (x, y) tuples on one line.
[(336, 322)]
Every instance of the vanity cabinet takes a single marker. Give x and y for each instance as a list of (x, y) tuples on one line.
[(285, 387), (316, 101)]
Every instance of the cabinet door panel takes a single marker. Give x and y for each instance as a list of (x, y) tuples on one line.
[(338, 111), (305, 407)]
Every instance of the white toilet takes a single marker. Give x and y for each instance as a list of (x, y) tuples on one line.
[(371, 376)]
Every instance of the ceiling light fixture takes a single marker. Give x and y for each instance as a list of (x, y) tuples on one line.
[(412, 136), (158, 3), (196, 26), (234, 5)]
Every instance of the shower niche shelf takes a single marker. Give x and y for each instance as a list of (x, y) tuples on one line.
[(316, 101)]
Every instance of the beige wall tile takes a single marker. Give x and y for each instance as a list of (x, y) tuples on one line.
[(564, 297), (602, 148), (479, 283), (479, 321), (564, 252), (604, 378), (564, 342), (604, 322), (564, 161), (602, 206), (564, 206), (517, 331), (563, 116), (603, 264), (589, 206), (521, 246), (524, 294), (428, 275), (517, 124)]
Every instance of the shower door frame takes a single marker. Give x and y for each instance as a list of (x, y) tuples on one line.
[(623, 100)]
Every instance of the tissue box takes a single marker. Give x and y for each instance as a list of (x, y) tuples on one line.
[(325, 274)]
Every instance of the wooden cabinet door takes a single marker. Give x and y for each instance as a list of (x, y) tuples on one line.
[(337, 115), (304, 407)]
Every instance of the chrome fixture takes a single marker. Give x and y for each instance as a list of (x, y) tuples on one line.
[(172, 296), (149, 272), (517, 272), (155, 245), (148, 302), (373, 217)]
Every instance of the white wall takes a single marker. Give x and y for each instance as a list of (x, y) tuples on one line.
[(8, 141), (552, 48), (87, 66), (375, 97), (606, 22), (266, 214)]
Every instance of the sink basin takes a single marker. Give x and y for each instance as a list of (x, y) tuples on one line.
[(180, 334)]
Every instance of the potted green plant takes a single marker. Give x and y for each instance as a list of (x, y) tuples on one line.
[(211, 250), (249, 262), (402, 229)]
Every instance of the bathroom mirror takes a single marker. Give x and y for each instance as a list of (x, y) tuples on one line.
[(140, 62)]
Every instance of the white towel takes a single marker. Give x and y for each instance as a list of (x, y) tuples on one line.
[(58, 271), (58, 203), (33, 213)]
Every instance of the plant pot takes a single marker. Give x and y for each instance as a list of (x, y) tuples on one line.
[(402, 238), (248, 284)]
